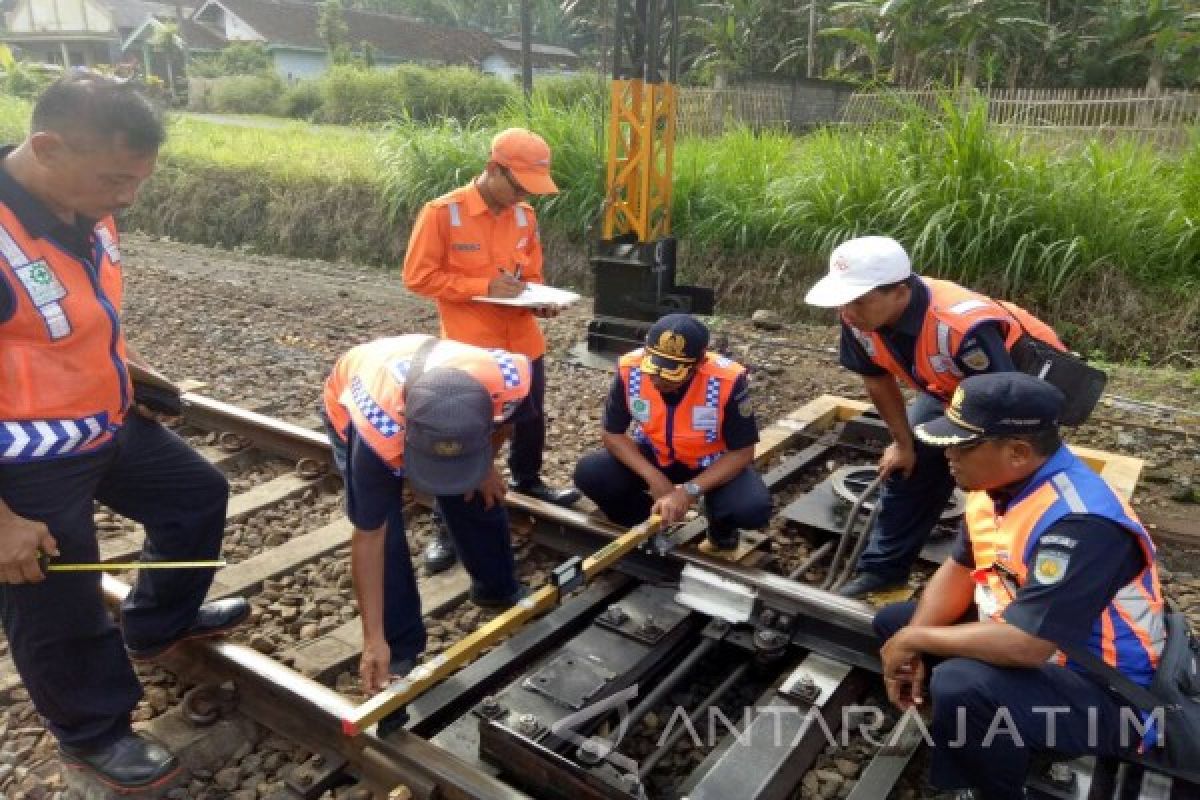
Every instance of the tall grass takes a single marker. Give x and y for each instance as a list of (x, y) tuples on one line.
[(756, 212)]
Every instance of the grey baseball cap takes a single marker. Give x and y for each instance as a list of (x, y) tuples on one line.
[(448, 432)]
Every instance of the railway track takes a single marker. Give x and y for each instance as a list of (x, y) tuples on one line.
[(678, 675)]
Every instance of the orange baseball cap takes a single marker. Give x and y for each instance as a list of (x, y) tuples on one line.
[(527, 157)]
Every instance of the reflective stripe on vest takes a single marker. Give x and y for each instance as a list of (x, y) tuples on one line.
[(954, 312), (522, 220), (1130, 633), (710, 389), (32, 440), (370, 410), (455, 215)]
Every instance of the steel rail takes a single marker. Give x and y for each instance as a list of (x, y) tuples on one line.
[(776, 591), (303, 711)]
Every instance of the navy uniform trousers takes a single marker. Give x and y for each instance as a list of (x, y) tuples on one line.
[(481, 538), (529, 431), (910, 506), (1050, 708), (622, 495), (65, 644)]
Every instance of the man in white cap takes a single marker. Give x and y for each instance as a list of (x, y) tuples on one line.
[(929, 334)]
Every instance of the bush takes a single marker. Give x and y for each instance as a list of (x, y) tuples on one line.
[(567, 90), (302, 100), (356, 96), (239, 58), (246, 94)]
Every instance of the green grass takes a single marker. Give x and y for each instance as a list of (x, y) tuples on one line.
[(1062, 229), (14, 118)]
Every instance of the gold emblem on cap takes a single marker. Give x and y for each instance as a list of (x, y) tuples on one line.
[(671, 344), (448, 448)]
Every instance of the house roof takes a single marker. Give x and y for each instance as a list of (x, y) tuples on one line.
[(199, 37), (540, 49), (294, 24)]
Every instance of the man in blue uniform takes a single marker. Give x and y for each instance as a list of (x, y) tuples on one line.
[(73, 431), (693, 435), (898, 327), (1050, 556)]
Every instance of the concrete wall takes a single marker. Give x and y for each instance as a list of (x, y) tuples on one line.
[(299, 64), (808, 102)]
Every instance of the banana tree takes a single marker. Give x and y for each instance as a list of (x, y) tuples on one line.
[(999, 25), (1164, 33)]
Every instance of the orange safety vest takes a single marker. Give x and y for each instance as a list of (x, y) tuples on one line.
[(954, 312), (459, 235), (1130, 633), (62, 353), (690, 432), (366, 387)]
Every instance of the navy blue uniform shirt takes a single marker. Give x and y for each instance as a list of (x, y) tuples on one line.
[(901, 340), (737, 430), (1097, 557)]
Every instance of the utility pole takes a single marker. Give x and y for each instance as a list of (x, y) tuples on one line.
[(812, 39), (526, 49)]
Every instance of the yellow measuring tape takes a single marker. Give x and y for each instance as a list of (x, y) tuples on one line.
[(121, 567)]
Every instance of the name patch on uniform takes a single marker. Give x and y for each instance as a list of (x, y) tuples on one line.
[(467, 246), (976, 359), (640, 409), (1050, 567), (704, 418), (42, 284)]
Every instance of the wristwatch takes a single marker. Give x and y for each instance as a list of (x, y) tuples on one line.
[(692, 488)]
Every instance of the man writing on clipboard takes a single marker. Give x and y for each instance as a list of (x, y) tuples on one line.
[(481, 240)]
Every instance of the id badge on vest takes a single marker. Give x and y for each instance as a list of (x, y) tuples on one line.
[(704, 418), (45, 290)]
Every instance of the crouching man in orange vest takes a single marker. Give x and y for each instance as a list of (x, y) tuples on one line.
[(1050, 557), (899, 328), (693, 435), (433, 412)]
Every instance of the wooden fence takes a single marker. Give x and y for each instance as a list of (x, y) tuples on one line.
[(711, 112), (1162, 119)]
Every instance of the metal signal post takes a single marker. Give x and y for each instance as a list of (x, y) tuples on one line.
[(634, 263)]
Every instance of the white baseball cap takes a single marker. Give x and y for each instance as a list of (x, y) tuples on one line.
[(856, 267)]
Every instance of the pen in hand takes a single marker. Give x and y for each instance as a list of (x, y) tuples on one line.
[(505, 284)]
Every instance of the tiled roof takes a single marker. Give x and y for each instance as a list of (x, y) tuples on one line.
[(295, 24)]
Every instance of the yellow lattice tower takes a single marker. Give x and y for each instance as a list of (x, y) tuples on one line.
[(641, 144)]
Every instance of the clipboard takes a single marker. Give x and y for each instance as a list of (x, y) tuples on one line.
[(536, 295)]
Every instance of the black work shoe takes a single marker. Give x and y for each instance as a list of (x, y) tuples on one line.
[(213, 619), (499, 603), (399, 718), (132, 762), (540, 490), (724, 540), (865, 583), (439, 553)]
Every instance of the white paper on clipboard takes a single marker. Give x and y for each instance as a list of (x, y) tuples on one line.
[(536, 295)]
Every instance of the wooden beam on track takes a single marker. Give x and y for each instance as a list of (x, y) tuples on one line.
[(324, 657), (247, 577)]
